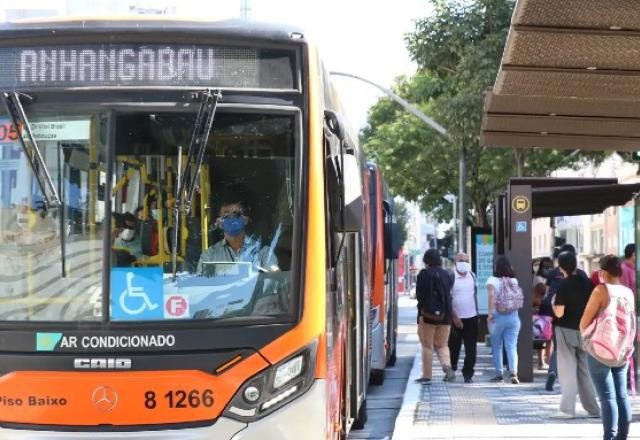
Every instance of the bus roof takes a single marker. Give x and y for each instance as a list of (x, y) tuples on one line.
[(69, 26)]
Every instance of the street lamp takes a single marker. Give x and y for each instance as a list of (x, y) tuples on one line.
[(440, 129), (451, 198)]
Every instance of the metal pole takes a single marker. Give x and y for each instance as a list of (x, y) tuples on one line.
[(462, 201), (455, 226)]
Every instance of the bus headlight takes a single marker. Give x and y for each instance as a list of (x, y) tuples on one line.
[(288, 371), (272, 388)]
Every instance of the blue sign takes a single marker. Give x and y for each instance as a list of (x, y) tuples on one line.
[(136, 294), (521, 226)]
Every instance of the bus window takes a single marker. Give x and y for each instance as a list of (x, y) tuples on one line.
[(234, 244), (52, 257)]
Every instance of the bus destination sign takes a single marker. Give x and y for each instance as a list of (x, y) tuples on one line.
[(144, 65)]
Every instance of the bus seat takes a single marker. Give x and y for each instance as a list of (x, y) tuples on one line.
[(121, 258), (149, 237)]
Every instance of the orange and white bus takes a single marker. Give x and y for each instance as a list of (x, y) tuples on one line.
[(384, 305), (184, 235)]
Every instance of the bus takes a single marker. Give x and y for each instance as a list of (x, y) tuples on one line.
[(185, 235), (384, 306)]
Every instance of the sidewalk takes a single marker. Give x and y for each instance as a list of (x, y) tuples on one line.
[(484, 410)]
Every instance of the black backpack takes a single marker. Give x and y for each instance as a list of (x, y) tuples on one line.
[(435, 301)]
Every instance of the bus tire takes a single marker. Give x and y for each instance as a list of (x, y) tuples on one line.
[(361, 420), (376, 377), (392, 359)]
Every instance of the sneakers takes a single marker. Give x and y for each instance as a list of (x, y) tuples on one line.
[(514, 379), (449, 374), (423, 381), (551, 379), (496, 378), (562, 415)]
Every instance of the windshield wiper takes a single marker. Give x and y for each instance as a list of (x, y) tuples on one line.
[(11, 101), (195, 155)]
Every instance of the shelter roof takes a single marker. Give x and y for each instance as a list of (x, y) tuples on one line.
[(569, 77)]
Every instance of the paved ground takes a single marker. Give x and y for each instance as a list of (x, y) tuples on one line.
[(484, 410), (385, 401)]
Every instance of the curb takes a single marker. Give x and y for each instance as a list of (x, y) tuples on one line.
[(403, 428)]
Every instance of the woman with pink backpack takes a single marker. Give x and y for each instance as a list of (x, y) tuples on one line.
[(608, 329)]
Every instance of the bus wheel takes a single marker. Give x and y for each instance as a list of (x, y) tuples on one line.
[(361, 420), (392, 359), (376, 377)]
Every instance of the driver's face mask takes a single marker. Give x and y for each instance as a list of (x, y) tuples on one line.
[(233, 225)]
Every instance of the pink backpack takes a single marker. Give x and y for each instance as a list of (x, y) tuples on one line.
[(509, 297), (609, 338)]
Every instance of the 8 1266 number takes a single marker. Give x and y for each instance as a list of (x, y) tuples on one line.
[(180, 399)]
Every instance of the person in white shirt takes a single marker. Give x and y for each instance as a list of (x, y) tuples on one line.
[(465, 317)]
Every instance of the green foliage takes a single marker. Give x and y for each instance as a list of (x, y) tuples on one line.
[(458, 52)]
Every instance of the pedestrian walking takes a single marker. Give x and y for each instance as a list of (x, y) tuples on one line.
[(554, 280), (568, 306), (611, 305), (464, 298), (505, 298), (433, 291)]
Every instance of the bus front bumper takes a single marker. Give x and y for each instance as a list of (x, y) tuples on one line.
[(302, 418)]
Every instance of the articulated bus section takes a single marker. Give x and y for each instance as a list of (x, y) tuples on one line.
[(384, 307), (195, 244)]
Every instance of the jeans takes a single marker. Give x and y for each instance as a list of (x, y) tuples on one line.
[(504, 333), (611, 386), (469, 335)]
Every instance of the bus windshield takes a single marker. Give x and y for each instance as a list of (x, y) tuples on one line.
[(115, 231)]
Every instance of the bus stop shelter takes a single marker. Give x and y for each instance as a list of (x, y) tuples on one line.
[(529, 198), (569, 79)]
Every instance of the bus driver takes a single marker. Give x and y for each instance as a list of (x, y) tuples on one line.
[(237, 246)]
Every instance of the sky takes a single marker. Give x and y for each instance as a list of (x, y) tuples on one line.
[(362, 37)]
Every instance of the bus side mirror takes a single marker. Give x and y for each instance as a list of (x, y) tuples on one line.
[(334, 123), (345, 193), (392, 243), (352, 186)]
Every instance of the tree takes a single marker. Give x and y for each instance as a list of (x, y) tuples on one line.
[(458, 52)]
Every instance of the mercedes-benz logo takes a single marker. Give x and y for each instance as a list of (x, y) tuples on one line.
[(104, 398)]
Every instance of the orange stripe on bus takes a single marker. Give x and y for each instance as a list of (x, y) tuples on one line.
[(228, 365), (312, 324), (378, 288)]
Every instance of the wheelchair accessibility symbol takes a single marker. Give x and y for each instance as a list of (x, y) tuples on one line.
[(136, 293)]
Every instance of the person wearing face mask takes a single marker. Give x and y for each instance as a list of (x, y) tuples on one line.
[(128, 239), (542, 310), (237, 245), (465, 317)]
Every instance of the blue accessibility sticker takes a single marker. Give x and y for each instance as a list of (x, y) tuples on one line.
[(521, 226), (136, 294)]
